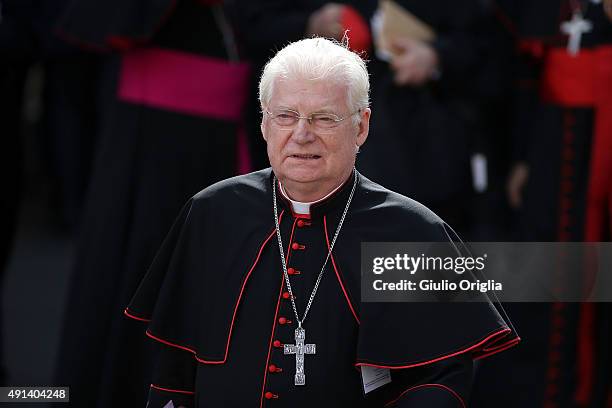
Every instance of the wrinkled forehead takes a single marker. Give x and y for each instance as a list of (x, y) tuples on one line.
[(309, 95)]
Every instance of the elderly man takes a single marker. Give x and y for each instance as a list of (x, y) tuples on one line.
[(254, 295)]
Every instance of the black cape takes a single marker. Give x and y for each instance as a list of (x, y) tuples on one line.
[(215, 296)]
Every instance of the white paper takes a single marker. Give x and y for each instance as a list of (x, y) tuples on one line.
[(374, 377), (479, 172)]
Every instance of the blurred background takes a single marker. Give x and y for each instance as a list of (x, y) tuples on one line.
[(495, 114)]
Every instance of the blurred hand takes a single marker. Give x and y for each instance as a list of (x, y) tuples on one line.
[(607, 5), (516, 183), (325, 22), (415, 62)]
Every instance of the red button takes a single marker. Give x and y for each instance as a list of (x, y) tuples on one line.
[(274, 369), (301, 223), (282, 320), (286, 295), (269, 395), (291, 271), (295, 246), (277, 343)]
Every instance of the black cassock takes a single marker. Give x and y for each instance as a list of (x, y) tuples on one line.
[(433, 128), (559, 133), (216, 301), (162, 140)]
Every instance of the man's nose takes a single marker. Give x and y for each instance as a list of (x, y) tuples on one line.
[(302, 132)]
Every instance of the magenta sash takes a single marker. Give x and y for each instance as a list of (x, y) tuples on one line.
[(184, 83)]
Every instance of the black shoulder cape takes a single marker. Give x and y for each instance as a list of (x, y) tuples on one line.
[(192, 292)]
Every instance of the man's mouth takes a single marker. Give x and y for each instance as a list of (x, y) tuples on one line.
[(305, 156)]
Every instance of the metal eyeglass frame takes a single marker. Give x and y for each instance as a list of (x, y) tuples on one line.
[(309, 118)]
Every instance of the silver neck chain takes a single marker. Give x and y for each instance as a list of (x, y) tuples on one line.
[(331, 247)]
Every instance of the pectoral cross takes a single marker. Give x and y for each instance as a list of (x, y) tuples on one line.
[(575, 28), (299, 349)]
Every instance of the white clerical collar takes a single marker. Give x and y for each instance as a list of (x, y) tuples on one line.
[(300, 207)]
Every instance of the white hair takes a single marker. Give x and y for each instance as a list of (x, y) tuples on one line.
[(318, 59)]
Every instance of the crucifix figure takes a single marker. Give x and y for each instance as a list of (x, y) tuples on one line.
[(299, 349), (575, 28)]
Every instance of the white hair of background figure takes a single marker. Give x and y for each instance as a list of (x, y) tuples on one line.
[(319, 59)]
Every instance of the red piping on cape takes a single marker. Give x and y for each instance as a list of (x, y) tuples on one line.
[(416, 387), (157, 387), (499, 349), (503, 331), (130, 315), (496, 344), (195, 354), (338, 273), (229, 336), (282, 287)]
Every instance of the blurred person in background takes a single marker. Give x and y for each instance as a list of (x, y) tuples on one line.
[(170, 131), (560, 187), (429, 95)]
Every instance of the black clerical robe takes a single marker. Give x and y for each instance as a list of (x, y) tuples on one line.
[(169, 130), (215, 299), (563, 132)]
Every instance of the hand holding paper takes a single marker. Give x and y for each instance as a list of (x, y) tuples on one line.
[(413, 61), (393, 21)]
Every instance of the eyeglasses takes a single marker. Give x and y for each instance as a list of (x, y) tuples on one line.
[(287, 118)]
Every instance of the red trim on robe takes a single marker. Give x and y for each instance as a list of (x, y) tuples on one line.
[(280, 217), (168, 343), (129, 314), (488, 338), (148, 333), (157, 387), (442, 386), (348, 300), (499, 349)]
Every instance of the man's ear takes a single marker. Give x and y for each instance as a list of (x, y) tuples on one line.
[(262, 127), (363, 127)]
